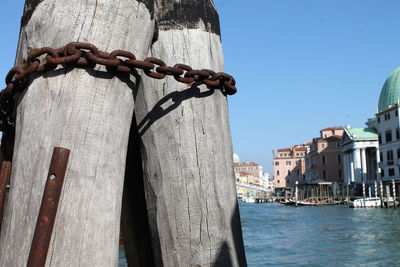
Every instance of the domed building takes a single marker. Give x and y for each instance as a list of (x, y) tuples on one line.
[(236, 158), (372, 155), (390, 93), (386, 124)]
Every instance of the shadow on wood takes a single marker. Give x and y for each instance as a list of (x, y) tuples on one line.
[(134, 219), (175, 99)]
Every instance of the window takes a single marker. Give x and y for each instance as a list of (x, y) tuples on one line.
[(340, 174), (389, 155), (276, 163), (288, 172), (279, 181), (323, 159), (381, 156), (387, 116), (323, 174), (322, 145), (379, 119), (338, 144), (397, 133), (277, 173), (379, 138), (339, 158), (288, 163), (391, 172), (388, 136), (382, 173), (398, 153)]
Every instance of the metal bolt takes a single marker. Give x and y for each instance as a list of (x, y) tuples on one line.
[(52, 177)]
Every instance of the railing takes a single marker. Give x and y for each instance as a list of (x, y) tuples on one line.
[(251, 186)]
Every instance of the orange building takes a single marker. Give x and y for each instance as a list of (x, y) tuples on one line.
[(324, 161), (289, 165)]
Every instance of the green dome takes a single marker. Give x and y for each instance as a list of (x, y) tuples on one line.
[(390, 91)]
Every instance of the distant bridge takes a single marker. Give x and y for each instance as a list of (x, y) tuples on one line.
[(252, 186)]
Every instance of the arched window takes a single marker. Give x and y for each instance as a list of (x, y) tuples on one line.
[(324, 174)]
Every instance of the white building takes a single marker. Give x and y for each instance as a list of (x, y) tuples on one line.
[(360, 149), (386, 123), (373, 154)]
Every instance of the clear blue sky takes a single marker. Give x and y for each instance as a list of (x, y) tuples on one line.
[(300, 66)]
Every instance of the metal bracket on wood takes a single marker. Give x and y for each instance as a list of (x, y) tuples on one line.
[(5, 175), (48, 208)]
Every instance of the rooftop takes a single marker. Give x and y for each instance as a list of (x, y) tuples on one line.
[(390, 92), (362, 133), (332, 128)]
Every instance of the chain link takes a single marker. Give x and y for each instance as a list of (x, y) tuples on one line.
[(86, 55)]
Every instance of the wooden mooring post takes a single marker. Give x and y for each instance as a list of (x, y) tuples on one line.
[(387, 196), (183, 131), (394, 193), (381, 193), (363, 192), (376, 192)]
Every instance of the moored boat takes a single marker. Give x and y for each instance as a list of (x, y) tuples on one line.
[(368, 203)]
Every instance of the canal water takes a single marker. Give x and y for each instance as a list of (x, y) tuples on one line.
[(279, 235)]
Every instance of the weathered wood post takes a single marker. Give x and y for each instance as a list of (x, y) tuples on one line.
[(363, 192), (381, 191), (334, 193), (376, 193), (86, 111), (394, 193), (185, 142)]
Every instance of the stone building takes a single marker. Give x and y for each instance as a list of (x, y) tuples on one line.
[(250, 168), (360, 148), (386, 124), (324, 161), (289, 166)]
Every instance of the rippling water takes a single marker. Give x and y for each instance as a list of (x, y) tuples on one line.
[(279, 235)]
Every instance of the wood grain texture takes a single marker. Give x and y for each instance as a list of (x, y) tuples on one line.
[(88, 112), (187, 158)]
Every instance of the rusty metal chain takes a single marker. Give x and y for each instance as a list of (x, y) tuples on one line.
[(86, 55)]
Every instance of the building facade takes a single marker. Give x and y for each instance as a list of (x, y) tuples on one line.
[(360, 148), (289, 165), (324, 161), (386, 123), (372, 154), (248, 168)]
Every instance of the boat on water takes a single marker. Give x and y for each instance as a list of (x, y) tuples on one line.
[(249, 199), (373, 202)]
